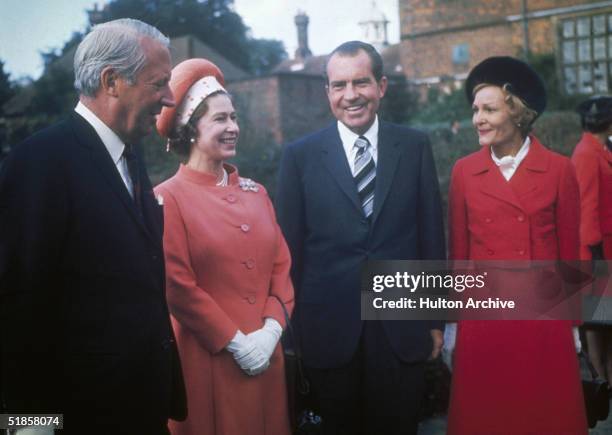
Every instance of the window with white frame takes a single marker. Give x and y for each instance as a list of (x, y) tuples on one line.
[(586, 54)]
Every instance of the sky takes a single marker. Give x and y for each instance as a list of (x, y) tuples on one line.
[(29, 27)]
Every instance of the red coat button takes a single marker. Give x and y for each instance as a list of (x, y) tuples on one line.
[(490, 252), (245, 228), (251, 300), (521, 218), (488, 220), (521, 252), (231, 198), (250, 263)]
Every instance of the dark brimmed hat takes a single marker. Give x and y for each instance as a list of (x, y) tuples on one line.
[(596, 111), (524, 82)]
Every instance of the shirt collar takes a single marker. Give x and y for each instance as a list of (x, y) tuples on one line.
[(510, 160), (348, 137), (111, 141)]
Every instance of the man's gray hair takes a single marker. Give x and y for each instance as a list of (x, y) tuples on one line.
[(115, 44)]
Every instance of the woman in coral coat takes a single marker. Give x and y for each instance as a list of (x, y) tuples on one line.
[(593, 161), (513, 200), (227, 268)]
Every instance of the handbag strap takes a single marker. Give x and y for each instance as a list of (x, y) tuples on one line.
[(303, 385), (589, 364)]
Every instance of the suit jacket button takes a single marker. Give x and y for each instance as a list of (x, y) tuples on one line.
[(245, 228), (231, 198), (251, 299), (250, 263), (488, 220), (521, 218), (521, 252)]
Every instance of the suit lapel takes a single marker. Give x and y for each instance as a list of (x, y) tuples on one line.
[(493, 182), (87, 137), (536, 161), (334, 159), (388, 158), (152, 211)]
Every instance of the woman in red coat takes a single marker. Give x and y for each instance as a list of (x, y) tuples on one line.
[(592, 159), (513, 200), (227, 268)]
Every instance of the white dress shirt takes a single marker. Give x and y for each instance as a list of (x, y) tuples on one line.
[(111, 141), (348, 139), (508, 164)]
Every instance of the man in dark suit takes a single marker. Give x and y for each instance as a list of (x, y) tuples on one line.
[(359, 189), (85, 329)]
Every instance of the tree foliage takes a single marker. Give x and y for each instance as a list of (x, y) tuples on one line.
[(444, 108), (7, 90), (214, 22), (546, 66)]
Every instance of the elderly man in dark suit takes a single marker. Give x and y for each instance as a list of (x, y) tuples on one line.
[(359, 189), (85, 327)]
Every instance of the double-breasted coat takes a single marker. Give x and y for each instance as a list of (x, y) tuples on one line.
[(515, 377), (593, 162), (226, 260)]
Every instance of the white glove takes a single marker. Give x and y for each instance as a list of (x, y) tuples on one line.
[(247, 354), (450, 335), (267, 337), (577, 342)]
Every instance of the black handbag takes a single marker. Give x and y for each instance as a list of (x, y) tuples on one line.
[(304, 419), (596, 394)]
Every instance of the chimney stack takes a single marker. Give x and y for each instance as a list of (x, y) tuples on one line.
[(301, 22)]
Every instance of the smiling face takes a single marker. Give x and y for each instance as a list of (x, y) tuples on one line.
[(353, 92), (217, 131), (140, 102), (493, 120)]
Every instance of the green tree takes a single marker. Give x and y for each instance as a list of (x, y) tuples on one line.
[(400, 103), (214, 22), (443, 108), (265, 54), (546, 65), (7, 89)]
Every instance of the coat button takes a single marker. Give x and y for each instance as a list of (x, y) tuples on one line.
[(490, 252), (521, 218), (245, 228), (231, 198), (250, 263), (488, 220), (251, 300), (521, 252)]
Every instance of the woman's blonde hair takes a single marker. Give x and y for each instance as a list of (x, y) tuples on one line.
[(522, 116)]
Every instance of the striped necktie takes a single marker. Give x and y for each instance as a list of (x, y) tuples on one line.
[(365, 175)]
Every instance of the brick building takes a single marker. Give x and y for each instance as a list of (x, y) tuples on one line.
[(441, 40)]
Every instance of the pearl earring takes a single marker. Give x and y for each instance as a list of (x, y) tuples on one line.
[(192, 140)]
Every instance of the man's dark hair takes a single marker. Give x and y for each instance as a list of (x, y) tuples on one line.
[(351, 48)]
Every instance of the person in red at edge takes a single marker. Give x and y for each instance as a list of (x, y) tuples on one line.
[(227, 268), (513, 200), (592, 159)]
